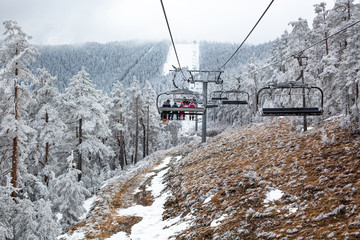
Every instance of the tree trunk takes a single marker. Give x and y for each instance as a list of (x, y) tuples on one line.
[(148, 130), (47, 150), (144, 137), (326, 44), (79, 164), (121, 144), (14, 157), (136, 129)]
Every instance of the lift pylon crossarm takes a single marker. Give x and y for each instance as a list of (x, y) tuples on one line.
[(288, 111), (215, 79)]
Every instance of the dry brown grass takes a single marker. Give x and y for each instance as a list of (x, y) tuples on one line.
[(320, 179), (318, 175)]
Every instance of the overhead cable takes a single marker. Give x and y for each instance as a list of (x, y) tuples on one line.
[(247, 35), (172, 40)]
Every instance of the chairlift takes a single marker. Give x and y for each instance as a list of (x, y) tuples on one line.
[(218, 95), (178, 96), (284, 99), (235, 97), (212, 104)]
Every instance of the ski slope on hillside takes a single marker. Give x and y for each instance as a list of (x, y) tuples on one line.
[(188, 55)]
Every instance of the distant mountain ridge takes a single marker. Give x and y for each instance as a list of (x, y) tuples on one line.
[(114, 61)]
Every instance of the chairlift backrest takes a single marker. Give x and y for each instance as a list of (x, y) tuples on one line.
[(235, 97)]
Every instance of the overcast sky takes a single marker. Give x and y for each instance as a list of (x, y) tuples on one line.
[(79, 21)]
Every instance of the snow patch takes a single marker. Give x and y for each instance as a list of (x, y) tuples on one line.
[(74, 236), (273, 195), (208, 199), (217, 222), (152, 226), (88, 204)]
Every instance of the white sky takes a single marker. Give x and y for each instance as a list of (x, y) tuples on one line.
[(79, 21)]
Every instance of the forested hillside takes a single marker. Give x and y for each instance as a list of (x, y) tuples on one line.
[(121, 61), (106, 63)]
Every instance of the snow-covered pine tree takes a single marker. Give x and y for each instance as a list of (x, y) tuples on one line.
[(69, 195), (134, 104), (117, 125), (151, 121), (24, 221), (15, 79), (48, 125), (7, 210), (47, 225), (298, 40), (334, 79), (89, 125)]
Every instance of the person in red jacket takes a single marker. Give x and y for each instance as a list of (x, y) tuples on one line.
[(191, 115), (181, 113)]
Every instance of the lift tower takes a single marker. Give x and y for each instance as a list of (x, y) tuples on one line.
[(205, 77)]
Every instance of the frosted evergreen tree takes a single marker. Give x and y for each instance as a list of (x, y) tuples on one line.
[(350, 66), (24, 221), (334, 79), (278, 53), (15, 80), (34, 220), (150, 120), (48, 125), (7, 210), (117, 115), (89, 125), (134, 104), (47, 226), (69, 195)]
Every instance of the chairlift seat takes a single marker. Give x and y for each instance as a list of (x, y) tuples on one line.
[(235, 102), (212, 105), (186, 110), (219, 98), (291, 111)]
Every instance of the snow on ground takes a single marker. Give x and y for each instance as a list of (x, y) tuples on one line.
[(273, 195), (152, 226)]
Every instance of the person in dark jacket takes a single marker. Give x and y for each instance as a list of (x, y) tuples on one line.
[(174, 112), (165, 114)]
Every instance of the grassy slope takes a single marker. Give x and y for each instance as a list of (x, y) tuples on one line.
[(319, 178), (229, 177)]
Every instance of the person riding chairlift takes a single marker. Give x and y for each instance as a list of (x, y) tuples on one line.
[(174, 112), (181, 113), (192, 115), (166, 114)]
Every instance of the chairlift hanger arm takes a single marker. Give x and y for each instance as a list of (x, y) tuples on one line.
[(217, 78)]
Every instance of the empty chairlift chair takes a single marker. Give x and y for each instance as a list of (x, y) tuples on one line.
[(217, 95), (235, 97), (290, 99)]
